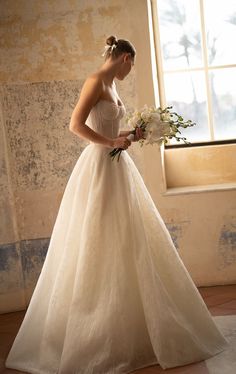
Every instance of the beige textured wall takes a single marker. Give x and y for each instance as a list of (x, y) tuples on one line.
[(201, 221), (47, 50), (195, 166)]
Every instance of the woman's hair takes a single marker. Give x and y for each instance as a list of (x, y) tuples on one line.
[(115, 47)]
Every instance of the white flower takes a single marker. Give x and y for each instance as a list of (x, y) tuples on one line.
[(150, 139), (155, 117), (166, 117), (146, 114), (153, 130), (157, 130), (165, 128)]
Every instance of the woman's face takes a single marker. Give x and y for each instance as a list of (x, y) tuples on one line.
[(126, 65)]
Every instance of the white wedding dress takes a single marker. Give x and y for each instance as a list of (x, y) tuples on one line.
[(113, 294)]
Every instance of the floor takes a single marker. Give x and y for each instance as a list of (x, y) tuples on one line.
[(220, 300)]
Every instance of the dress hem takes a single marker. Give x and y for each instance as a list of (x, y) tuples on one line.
[(108, 372)]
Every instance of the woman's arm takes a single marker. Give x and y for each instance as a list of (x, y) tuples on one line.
[(90, 93)]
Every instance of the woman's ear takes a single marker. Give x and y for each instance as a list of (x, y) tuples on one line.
[(127, 57)]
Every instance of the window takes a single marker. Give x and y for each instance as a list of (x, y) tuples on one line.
[(196, 65)]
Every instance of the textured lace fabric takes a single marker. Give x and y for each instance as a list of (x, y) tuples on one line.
[(113, 294)]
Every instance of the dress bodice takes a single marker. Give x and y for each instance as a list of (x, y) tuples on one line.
[(105, 118)]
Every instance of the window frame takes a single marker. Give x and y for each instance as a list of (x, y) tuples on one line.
[(206, 69)]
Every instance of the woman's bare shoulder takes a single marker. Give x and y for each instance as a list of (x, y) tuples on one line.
[(92, 84), (96, 78)]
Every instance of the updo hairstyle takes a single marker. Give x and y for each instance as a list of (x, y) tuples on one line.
[(115, 47)]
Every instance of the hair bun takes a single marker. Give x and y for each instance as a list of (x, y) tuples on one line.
[(112, 40)]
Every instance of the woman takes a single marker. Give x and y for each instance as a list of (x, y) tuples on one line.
[(113, 294)]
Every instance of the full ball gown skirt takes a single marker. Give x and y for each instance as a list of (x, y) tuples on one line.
[(113, 294)]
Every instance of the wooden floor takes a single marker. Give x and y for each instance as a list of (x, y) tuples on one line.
[(220, 300)]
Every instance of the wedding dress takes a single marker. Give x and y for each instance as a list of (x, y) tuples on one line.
[(113, 294)]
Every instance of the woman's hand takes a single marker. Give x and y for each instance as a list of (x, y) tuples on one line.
[(139, 134), (121, 142)]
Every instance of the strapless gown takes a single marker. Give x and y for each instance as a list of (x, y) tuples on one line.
[(113, 294)]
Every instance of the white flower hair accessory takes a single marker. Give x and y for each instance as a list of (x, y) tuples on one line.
[(107, 47)]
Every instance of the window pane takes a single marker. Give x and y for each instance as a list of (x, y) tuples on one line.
[(179, 23), (223, 90), (220, 22), (186, 92)]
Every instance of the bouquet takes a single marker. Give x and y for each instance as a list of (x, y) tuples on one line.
[(158, 125)]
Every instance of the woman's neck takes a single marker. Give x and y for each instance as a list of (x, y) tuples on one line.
[(109, 69)]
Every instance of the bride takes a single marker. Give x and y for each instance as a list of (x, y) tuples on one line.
[(113, 294)]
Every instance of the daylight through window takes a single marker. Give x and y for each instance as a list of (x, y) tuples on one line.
[(196, 63)]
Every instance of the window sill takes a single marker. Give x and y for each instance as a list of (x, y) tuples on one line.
[(199, 189), (199, 144)]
